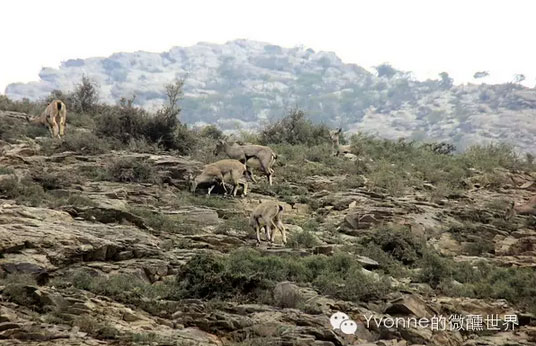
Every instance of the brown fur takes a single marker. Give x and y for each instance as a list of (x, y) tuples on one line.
[(337, 147), (218, 172), (265, 155), (268, 214), (54, 117)]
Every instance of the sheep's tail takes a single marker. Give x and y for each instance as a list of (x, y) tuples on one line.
[(58, 106)]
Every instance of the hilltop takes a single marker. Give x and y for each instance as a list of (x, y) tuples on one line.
[(242, 84)]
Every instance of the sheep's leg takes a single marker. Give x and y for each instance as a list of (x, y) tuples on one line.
[(222, 183), (236, 182), (257, 230), (250, 172), (271, 175), (245, 186), (269, 233), (50, 130), (283, 231), (54, 126), (210, 189), (62, 125), (56, 130), (267, 170)]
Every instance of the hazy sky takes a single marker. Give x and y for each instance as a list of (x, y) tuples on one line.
[(426, 37)]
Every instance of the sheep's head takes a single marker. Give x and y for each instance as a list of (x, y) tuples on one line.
[(248, 174), (220, 147), (191, 182), (334, 135)]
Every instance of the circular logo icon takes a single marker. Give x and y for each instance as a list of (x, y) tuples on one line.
[(337, 318), (348, 327)]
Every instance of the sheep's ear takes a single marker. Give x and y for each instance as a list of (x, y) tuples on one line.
[(339, 130)]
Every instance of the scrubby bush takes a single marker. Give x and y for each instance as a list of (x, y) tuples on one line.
[(490, 157), (386, 70), (303, 239), (206, 276), (294, 129), (123, 122), (84, 98), (127, 122), (244, 272), (6, 170), (130, 170), (481, 280), (83, 142), (399, 243), (23, 106), (25, 191), (212, 132)]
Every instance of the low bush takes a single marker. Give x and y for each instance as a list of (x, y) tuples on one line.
[(244, 272), (304, 239), (131, 170), (165, 223), (399, 243), (84, 142), (294, 129), (25, 191), (517, 285)]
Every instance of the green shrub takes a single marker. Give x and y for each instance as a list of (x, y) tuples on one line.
[(84, 98), (98, 330), (165, 223), (489, 157), (235, 223), (126, 288), (303, 239), (123, 122), (6, 170), (50, 181), (205, 276), (25, 192), (295, 128), (435, 269), (212, 132), (517, 285), (126, 123), (129, 170), (479, 247), (247, 273), (399, 243)]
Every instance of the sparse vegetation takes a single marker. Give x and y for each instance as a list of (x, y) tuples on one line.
[(130, 170), (294, 129), (303, 239), (391, 180), (517, 285), (245, 272)]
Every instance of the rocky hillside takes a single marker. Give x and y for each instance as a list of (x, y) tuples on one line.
[(243, 83), (103, 247)]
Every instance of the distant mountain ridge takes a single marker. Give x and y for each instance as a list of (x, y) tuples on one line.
[(243, 83)]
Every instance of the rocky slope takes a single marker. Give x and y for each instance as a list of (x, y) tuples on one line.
[(243, 83), (104, 229)]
